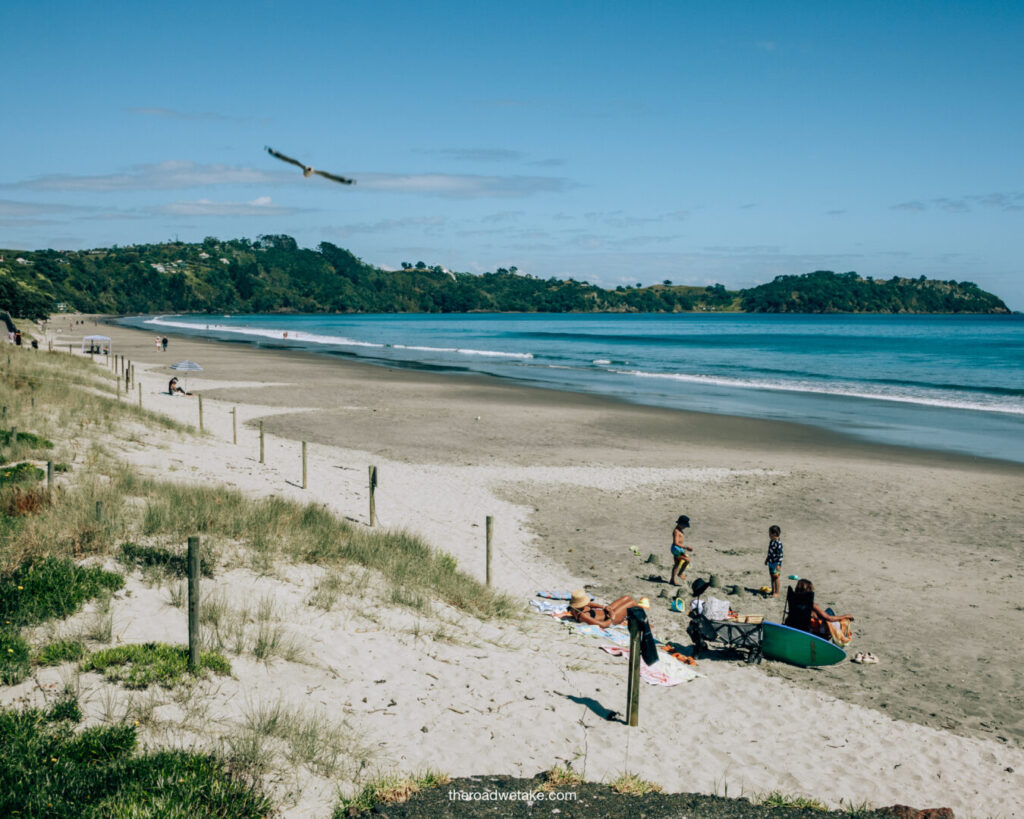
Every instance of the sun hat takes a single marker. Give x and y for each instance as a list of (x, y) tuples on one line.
[(644, 603), (683, 521), (699, 586), (579, 599)]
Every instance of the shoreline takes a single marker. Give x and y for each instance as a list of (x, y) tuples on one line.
[(735, 428), (919, 546)]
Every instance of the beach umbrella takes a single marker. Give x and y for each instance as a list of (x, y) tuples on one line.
[(186, 367)]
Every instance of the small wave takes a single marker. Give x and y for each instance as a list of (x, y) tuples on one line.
[(277, 335), (842, 390), (461, 351)]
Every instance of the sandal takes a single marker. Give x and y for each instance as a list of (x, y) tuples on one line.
[(869, 658), (858, 657)]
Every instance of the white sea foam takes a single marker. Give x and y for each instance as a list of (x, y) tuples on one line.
[(949, 401), (282, 335), (462, 351)]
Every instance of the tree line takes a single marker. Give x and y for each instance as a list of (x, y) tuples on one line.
[(273, 274)]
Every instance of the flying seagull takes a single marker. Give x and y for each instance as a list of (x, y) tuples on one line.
[(308, 170)]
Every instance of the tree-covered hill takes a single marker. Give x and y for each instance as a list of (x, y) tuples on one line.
[(273, 274), (827, 292)]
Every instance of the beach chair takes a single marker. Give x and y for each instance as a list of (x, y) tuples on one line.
[(743, 638), (798, 610)]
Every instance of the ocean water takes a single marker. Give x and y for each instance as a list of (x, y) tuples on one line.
[(953, 383)]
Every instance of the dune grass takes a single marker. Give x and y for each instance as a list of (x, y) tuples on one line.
[(146, 664), (50, 769), (632, 785), (388, 789)]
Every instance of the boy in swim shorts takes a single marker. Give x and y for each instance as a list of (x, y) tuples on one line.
[(680, 551), (774, 559)]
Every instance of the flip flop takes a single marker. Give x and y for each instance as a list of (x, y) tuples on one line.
[(869, 658), (858, 657)]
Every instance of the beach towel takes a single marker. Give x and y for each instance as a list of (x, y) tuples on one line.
[(550, 606), (555, 595), (668, 671), (617, 635)]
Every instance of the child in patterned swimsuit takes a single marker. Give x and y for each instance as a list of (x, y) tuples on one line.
[(774, 559)]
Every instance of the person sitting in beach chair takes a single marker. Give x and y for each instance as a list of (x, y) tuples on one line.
[(803, 613), (584, 610)]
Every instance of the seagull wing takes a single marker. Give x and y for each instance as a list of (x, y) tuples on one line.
[(284, 158), (343, 180)]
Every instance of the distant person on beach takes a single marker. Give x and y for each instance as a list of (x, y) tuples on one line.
[(17, 337), (163, 343), (584, 610), (774, 559), (680, 552), (175, 389), (158, 343)]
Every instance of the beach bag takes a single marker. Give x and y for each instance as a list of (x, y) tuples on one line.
[(715, 609)]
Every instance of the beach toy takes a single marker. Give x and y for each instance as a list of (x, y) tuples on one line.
[(635, 550), (678, 604), (794, 577)]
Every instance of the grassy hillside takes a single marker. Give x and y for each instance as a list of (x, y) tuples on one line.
[(273, 274)]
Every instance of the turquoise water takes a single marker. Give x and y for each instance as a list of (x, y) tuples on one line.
[(952, 383)]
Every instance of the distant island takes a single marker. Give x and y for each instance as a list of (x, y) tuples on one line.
[(274, 275)]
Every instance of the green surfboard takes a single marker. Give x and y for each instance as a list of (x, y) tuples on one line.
[(781, 642)]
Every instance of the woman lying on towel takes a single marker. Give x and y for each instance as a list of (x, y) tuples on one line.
[(584, 610), (822, 622)]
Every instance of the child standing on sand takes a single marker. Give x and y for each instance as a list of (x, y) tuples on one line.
[(680, 551), (774, 559)]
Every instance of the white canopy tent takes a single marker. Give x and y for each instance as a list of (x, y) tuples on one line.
[(97, 344)]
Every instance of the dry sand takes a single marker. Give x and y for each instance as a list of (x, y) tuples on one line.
[(924, 549)]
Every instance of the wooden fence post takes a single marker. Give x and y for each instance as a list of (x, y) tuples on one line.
[(140, 396), (303, 464), (261, 442), (373, 502), (234, 425), (14, 435), (490, 537), (193, 603), (633, 685), (200, 413), (49, 476), (99, 510)]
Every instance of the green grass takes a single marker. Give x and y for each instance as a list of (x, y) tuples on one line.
[(29, 439), (60, 651), (174, 563), (50, 769), (51, 588), (140, 666), (14, 656), (388, 789), (20, 473), (777, 799)]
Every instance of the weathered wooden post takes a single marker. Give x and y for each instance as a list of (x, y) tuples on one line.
[(633, 685), (261, 443), (193, 603), (200, 413), (303, 464), (234, 425), (140, 396), (5, 415), (117, 381), (49, 476), (490, 538), (373, 503), (14, 435), (99, 510)]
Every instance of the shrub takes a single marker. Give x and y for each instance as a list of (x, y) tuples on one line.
[(19, 501), (47, 769), (61, 651), (51, 588), (20, 473)]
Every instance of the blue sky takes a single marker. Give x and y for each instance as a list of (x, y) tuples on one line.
[(698, 142)]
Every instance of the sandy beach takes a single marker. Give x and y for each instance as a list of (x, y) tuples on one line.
[(924, 549)]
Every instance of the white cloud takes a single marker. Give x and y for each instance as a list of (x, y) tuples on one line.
[(169, 175), (260, 206), (464, 186)]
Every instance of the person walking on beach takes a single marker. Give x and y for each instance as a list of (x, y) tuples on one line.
[(774, 559), (680, 552), (163, 343)]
